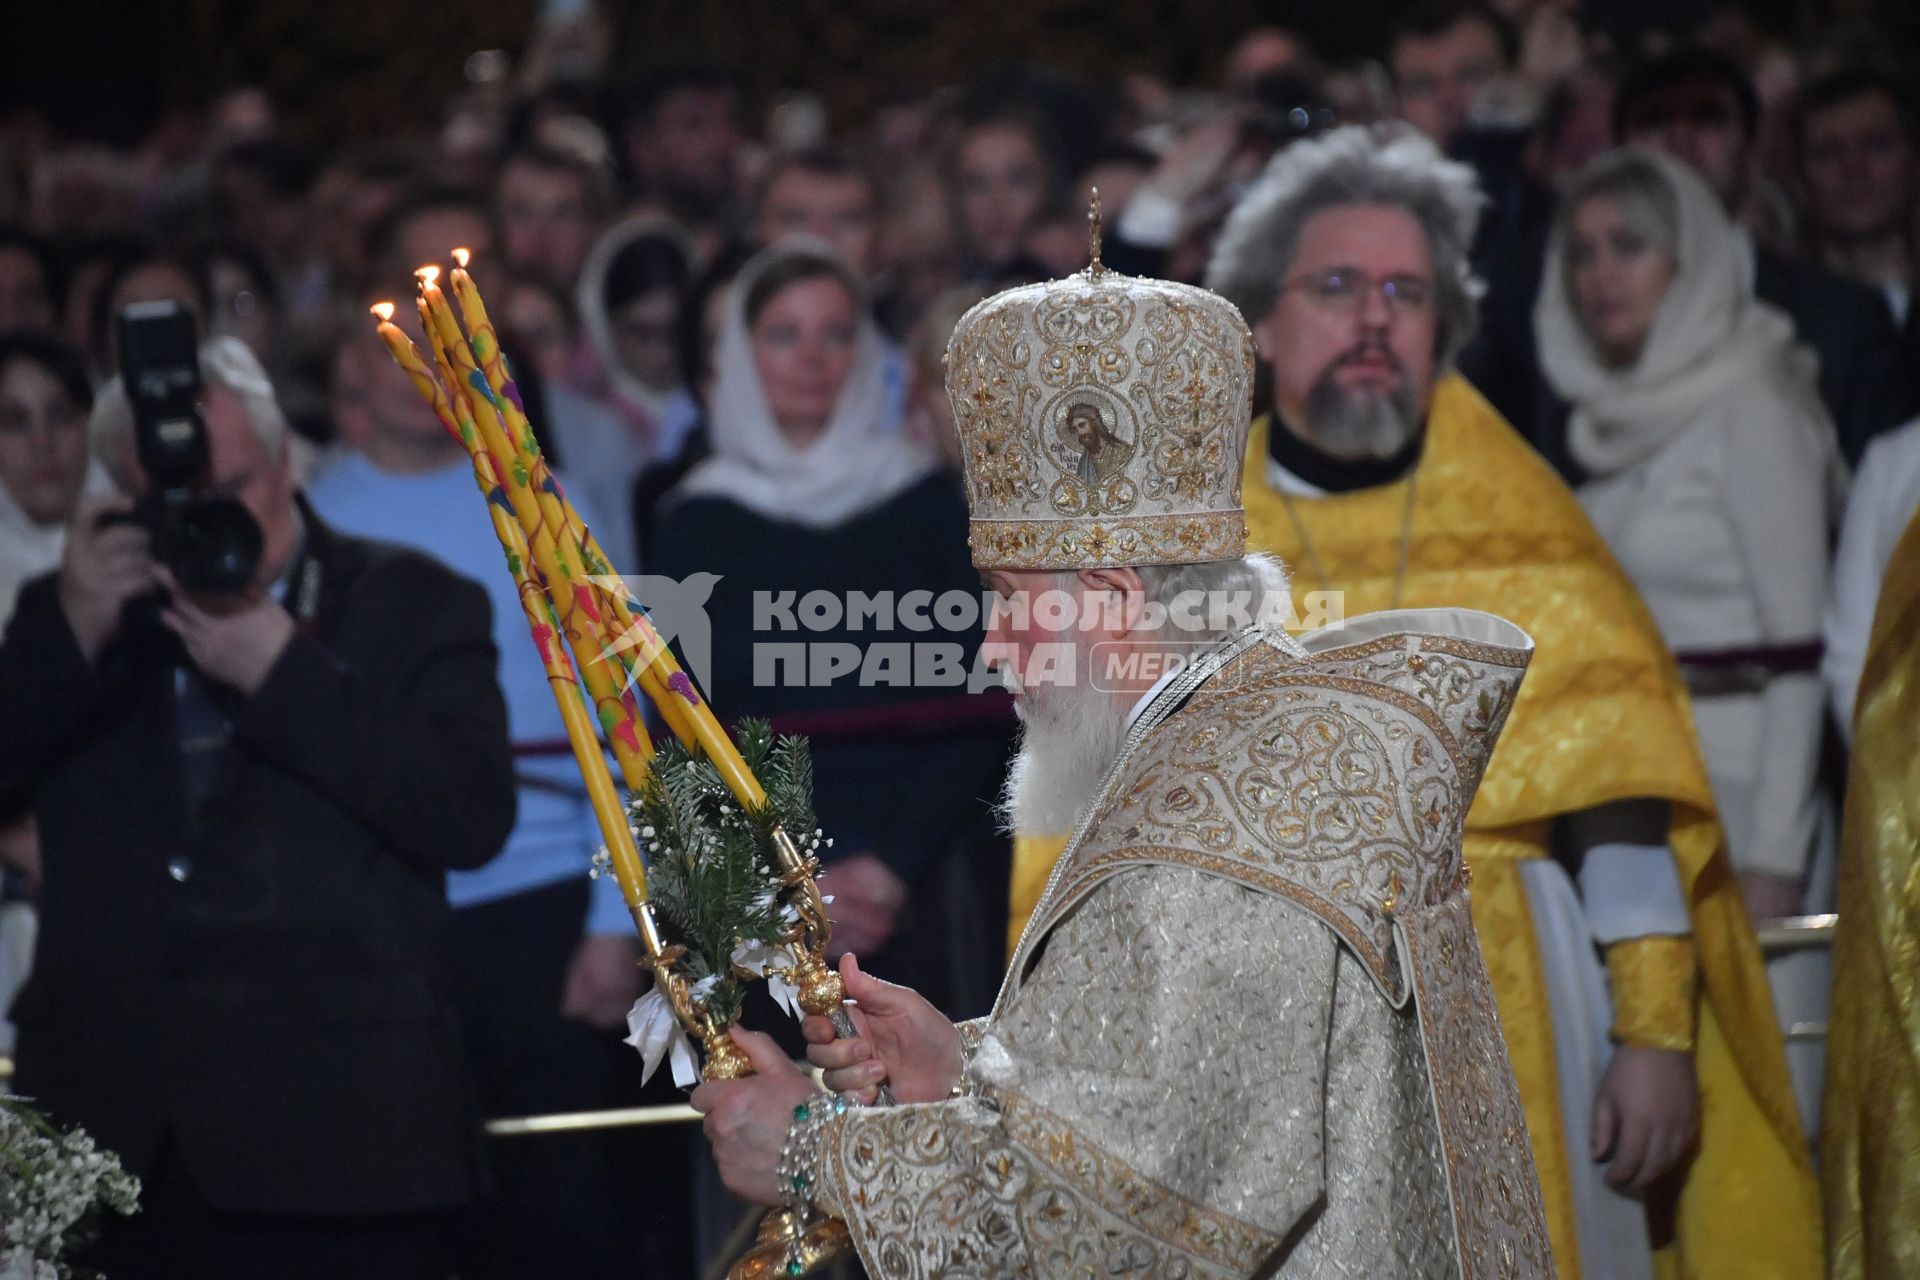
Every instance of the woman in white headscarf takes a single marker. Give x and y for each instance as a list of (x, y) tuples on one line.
[(1712, 475), (632, 290), (809, 497)]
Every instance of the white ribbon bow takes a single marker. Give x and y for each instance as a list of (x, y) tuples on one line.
[(657, 1034), (764, 960)]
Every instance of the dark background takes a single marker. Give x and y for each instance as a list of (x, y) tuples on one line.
[(112, 69)]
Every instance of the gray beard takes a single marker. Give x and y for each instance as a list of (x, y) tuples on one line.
[(1357, 425), (1069, 738)]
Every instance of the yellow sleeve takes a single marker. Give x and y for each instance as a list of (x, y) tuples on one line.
[(1655, 987)]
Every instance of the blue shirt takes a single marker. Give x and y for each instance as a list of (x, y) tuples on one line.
[(441, 513)]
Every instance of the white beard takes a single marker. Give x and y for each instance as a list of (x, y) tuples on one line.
[(1069, 737)]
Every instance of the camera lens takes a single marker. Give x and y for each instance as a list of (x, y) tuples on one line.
[(212, 545)]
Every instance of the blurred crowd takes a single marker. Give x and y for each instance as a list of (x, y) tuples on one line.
[(698, 289)]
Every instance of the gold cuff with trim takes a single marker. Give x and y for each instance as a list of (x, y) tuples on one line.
[(1655, 984)]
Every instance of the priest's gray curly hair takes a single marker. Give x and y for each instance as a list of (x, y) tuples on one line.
[(1384, 164)]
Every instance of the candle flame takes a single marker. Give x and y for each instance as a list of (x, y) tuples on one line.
[(461, 256), (429, 274), (384, 310)]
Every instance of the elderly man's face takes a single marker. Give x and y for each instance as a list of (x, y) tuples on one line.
[(1353, 359), (1031, 628), (1045, 628), (1054, 638)]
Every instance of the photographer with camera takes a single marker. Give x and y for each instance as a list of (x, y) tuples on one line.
[(254, 748)]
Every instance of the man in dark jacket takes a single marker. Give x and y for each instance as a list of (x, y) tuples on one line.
[(247, 807)]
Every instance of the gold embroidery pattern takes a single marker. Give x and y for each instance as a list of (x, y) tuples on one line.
[(1491, 655), (1497, 1213), (1101, 420), (1470, 686), (1341, 784), (1339, 793), (943, 1192), (1108, 542)]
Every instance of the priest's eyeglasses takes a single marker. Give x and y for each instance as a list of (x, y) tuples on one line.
[(1342, 289)]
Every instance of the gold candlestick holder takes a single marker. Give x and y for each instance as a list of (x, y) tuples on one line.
[(786, 1246), (821, 991), (724, 1059), (790, 1244)]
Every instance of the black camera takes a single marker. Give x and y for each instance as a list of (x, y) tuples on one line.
[(208, 540), (1286, 108)]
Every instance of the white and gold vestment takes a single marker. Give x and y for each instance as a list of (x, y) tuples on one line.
[(1248, 1031)]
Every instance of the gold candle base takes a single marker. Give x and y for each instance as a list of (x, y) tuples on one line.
[(725, 1059), (781, 1242)]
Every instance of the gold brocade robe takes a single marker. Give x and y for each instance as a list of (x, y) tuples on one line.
[(1249, 1032), (1870, 1125)]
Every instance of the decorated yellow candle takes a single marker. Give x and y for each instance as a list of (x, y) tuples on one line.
[(608, 811), (484, 371), (407, 356), (583, 624), (670, 688)]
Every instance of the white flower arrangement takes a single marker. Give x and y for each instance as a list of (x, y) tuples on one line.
[(53, 1184)]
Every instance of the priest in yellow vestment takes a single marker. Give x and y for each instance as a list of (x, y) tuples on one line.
[(1870, 1123), (1655, 1090)]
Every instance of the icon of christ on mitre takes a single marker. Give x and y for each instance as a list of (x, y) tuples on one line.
[(1248, 1030)]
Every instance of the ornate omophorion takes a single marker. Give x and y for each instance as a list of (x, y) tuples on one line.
[(1134, 1108)]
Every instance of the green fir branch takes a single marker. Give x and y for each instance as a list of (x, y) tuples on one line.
[(711, 868)]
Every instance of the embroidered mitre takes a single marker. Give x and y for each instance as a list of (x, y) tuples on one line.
[(1102, 419)]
